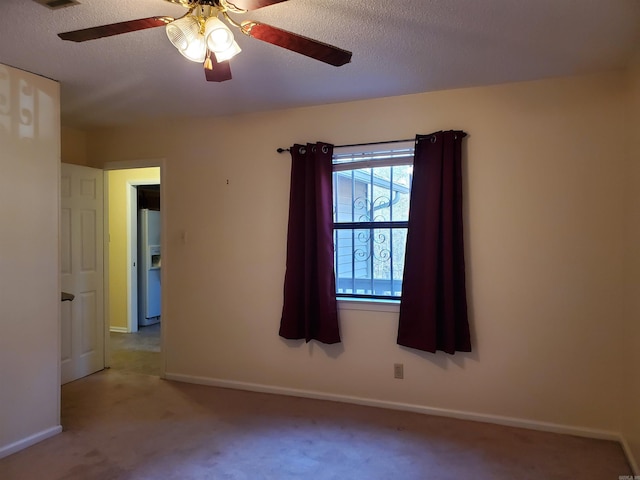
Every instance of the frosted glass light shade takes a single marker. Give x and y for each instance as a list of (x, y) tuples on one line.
[(230, 52), (196, 51), (217, 35), (183, 31)]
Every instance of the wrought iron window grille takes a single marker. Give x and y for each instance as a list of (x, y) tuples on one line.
[(370, 188)]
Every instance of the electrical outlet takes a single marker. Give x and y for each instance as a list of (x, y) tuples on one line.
[(398, 370)]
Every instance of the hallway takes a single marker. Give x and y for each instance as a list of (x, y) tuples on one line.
[(137, 352)]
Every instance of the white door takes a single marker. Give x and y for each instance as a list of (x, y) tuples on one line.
[(82, 267)]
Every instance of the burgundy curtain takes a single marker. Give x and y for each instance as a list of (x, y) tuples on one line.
[(433, 309), (310, 310)]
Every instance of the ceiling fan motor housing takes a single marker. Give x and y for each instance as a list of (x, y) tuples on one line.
[(55, 4), (195, 3)]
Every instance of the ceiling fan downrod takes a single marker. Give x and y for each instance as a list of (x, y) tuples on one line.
[(220, 4)]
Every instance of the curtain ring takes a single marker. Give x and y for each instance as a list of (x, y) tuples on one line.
[(325, 149), (313, 149), (433, 139), (302, 150)]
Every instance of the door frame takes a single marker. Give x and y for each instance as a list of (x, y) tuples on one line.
[(132, 251), (132, 232)]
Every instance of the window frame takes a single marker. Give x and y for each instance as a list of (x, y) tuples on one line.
[(378, 155)]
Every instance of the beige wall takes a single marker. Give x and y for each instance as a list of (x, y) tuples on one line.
[(631, 394), (29, 283), (74, 146), (119, 181), (544, 229)]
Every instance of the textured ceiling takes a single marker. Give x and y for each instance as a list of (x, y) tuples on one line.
[(398, 48)]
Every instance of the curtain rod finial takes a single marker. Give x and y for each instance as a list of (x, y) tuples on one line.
[(282, 150)]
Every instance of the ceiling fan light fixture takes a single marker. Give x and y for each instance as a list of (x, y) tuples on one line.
[(183, 31), (229, 53), (218, 36)]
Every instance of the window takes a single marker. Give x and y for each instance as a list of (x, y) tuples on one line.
[(371, 191)]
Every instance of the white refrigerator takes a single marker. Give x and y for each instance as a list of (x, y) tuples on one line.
[(149, 260)]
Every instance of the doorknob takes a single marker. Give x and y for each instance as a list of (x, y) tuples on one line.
[(66, 297)]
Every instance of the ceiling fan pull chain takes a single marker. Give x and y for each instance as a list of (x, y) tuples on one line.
[(208, 64)]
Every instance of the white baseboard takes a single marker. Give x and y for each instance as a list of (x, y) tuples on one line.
[(441, 412), (118, 329), (27, 442)]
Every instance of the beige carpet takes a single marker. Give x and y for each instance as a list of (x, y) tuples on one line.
[(123, 425)]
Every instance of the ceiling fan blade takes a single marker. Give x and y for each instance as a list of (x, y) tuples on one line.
[(216, 72), (114, 29), (297, 43), (252, 4)]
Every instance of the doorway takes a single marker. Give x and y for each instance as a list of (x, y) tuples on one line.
[(134, 345)]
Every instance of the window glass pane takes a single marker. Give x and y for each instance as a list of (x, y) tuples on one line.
[(370, 261), (372, 194), (401, 187), (351, 195), (361, 195), (382, 194), (399, 244), (344, 260)]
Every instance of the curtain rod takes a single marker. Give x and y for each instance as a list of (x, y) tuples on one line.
[(282, 150)]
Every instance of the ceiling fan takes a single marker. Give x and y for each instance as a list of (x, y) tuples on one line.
[(201, 36)]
